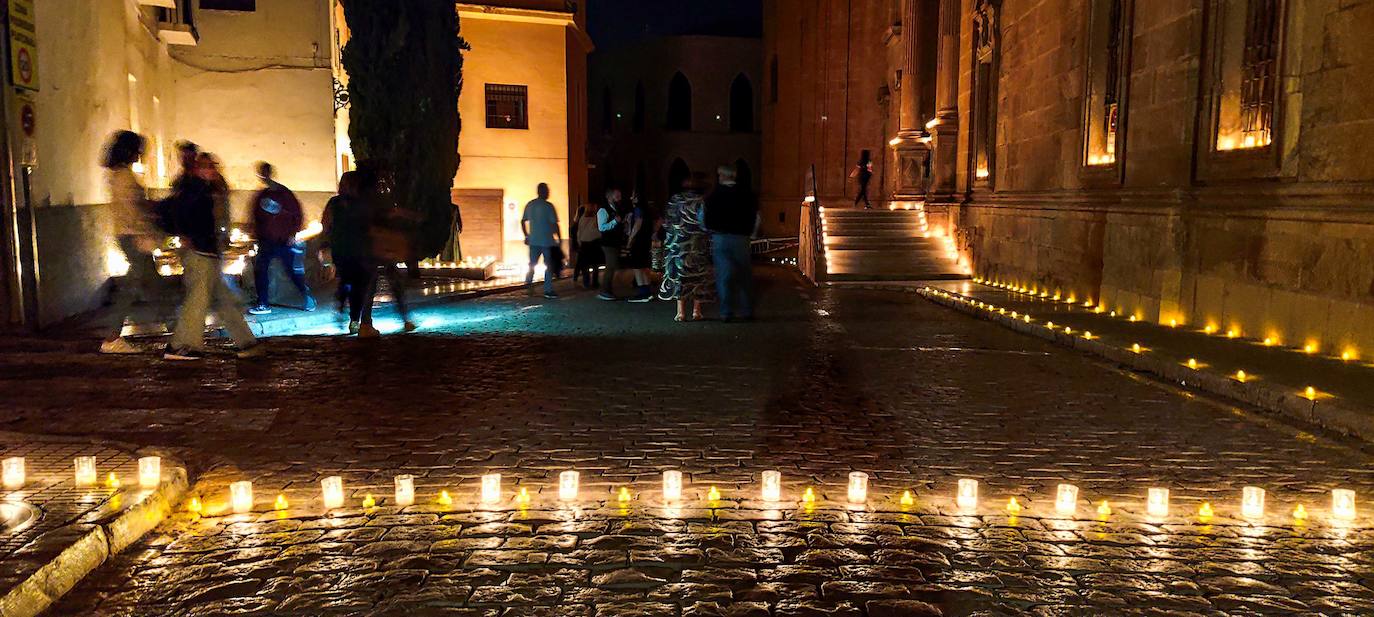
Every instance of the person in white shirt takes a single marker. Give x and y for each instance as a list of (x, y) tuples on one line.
[(610, 223), (137, 235)]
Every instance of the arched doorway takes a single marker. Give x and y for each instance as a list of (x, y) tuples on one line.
[(741, 105), (677, 174), (679, 103)]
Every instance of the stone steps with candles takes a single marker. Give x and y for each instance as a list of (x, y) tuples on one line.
[(886, 245)]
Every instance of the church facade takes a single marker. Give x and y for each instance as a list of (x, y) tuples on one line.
[(1189, 161)]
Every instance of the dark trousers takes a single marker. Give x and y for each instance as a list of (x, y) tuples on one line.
[(292, 257), (863, 193), (585, 265), (356, 279), (612, 254), (734, 275), (397, 281)]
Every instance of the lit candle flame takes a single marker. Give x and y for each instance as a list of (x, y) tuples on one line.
[(524, 497), (195, 506), (1192, 363), (907, 499), (445, 499), (1300, 513), (1310, 393), (1104, 509), (1205, 511), (713, 494), (809, 496), (281, 503), (369, 501), (1241, 376), (112, 480), (1013, 507), (624, 495)]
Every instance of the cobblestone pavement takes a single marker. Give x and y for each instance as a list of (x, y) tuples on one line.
[(832, 381)]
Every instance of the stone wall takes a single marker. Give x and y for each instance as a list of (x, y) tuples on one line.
[(1283, 254)]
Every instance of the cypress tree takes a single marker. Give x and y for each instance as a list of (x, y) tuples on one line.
[(405, 66)]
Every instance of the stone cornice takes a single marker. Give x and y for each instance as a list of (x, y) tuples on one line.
[(1337, 203)]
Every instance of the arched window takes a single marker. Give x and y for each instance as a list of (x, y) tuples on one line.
[(773, 80), (744, 176), (741, 105), (607, 112), (680, 104), (677, 174), (639, 108)]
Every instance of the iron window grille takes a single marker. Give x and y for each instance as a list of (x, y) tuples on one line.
[(1259, 70), (508, 107)]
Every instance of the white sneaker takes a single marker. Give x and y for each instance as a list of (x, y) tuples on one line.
[(119, 346)]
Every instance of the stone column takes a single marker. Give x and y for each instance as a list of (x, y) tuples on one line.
[(945, 163), (910, 120), (912, 152)]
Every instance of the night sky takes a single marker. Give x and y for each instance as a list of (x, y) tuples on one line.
[(614, 23)]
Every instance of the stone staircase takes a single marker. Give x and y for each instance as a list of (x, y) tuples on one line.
[(886, 245)]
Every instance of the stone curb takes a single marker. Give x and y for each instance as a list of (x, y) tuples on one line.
[(1331, 414), (290, 325), (60, 575)]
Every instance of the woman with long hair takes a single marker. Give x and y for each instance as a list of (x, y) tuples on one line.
[(688, 276), (137, 235)]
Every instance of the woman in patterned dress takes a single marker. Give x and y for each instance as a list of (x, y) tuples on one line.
[(688, 276)]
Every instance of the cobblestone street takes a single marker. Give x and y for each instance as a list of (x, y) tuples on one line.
[(830, 381)]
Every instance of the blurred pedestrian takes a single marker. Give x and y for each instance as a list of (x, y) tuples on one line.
[(540, 225), (732, 216), (640, 242), (611, 225), (348, 243), (277, 219), (193, 206), (688, 276), (137, 235), (393, 231), (863, 172), (588, 239)]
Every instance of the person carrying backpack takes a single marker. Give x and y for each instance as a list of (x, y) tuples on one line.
[(277, 218), (193, 205)]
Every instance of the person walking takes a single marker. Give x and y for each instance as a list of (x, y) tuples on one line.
[(540, 224), (277, 218), (732, 215), (392, 237), (193, 207), (687, 272), (348, 245), (611, 226), (640, 241), (137, 235), (863, 172), (589, 256)]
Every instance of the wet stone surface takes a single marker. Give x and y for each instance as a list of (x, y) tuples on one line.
[(832, 381)]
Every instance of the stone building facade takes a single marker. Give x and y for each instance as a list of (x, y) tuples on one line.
[(253, 80), (1189, 161), (671, 106)]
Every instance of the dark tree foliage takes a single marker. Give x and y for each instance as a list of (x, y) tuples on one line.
[(405, 66)]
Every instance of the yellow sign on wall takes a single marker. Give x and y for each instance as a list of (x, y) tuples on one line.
[(23, 45)]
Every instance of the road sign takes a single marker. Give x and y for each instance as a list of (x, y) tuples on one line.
[(23, 45)]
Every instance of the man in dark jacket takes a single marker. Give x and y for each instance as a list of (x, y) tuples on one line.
[(732, 216), (193, 207), (277, 218)]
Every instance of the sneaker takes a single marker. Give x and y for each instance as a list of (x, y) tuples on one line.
[(410, 326), (254, 350), (642, 299), (310, 304), (119, 346), (184, 354), (368, 331), (353, 327), (260, 310), (550, 295), (607, 297)]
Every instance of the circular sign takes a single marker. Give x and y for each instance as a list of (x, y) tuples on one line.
[(27, 119), (25, 65)]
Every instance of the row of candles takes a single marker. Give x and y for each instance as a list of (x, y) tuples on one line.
[(14, 472), (332, 488), (1309, 348), (1309, 392), (1252, 505)]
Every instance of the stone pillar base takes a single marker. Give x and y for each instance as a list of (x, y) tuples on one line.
[(913, 169)]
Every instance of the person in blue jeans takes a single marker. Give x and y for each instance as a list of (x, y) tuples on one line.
[(540, 224), (732, 216)]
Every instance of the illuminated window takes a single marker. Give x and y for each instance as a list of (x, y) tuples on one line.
[(1247, 52), (1108, 49), (984, 112), (508, 107), (229, 5)]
